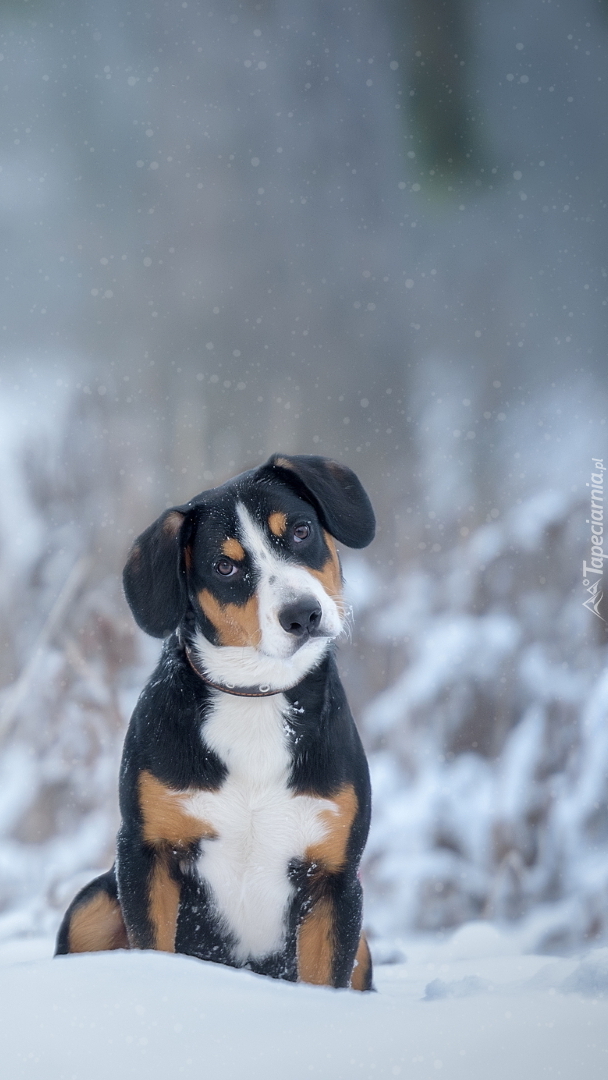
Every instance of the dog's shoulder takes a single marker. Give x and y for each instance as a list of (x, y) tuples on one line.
[(163, 739)]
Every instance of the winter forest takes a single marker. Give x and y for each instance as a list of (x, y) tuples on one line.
[(374, 231)]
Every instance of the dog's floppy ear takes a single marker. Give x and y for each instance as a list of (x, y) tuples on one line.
[(154, 577), (336, 493)]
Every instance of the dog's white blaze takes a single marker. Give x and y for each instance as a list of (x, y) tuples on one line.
[(260, 824), (281, 582)]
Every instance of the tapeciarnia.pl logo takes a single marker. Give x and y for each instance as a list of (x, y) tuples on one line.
[(593, 571)]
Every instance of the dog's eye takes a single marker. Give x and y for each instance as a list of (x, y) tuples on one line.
[(225, 567), (301, 532)]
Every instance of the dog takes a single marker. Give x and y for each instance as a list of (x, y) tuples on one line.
[(244, 788)]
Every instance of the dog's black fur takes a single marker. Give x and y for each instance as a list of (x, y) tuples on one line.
[(204, 574)]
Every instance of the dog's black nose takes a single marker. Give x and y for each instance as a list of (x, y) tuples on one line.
[(302, 617)]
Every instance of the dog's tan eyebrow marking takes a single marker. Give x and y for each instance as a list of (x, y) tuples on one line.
[(330, 574), (236, 624), (277, 523), (233, 549)]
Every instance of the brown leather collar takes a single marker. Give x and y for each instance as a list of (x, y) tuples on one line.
[(236, 691)]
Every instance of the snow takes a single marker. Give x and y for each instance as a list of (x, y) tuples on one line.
[(472, 1006)]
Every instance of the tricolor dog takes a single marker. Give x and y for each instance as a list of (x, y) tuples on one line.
[(244, 789)]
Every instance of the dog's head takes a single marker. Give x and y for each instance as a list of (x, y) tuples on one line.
[(255, 561)]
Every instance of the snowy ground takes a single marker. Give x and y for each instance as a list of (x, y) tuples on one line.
[(473, 1007)]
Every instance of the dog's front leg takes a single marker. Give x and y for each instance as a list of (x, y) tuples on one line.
[(330, 949), (157, 836), (352, 961), (149, 893)]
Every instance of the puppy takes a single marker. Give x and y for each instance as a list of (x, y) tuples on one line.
[(244, 789)]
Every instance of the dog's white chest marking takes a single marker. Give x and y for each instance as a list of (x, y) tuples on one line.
[(260, 824)]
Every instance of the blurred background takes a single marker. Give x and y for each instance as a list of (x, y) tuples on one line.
[(375, 231)]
